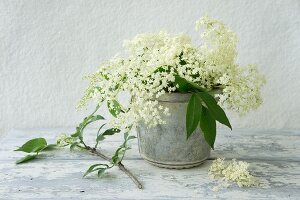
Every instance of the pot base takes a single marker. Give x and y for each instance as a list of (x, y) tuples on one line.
[(175, 165)]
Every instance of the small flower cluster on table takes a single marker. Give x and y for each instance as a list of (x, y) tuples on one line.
[(233, 171)]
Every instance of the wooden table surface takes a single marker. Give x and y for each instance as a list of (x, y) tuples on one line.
[(274, 157)]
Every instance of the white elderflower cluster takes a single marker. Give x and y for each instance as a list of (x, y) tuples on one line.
[(232, 171), (64, 140), (154, 59)]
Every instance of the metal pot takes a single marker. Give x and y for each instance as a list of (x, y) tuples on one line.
[(167, 145)]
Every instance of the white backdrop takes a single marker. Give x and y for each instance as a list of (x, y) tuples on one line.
[(47, 46)]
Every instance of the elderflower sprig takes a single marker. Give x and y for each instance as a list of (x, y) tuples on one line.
[(232, 172), (64, 140)]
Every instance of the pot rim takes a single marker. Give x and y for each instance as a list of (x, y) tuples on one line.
[(174, 97)]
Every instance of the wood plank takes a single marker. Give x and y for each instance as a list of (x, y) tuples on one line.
[(240, 144), (60, 174), (259, 145), (46, 179)]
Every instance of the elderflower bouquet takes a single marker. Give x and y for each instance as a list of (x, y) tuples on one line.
[(159, 63), (156, 64)]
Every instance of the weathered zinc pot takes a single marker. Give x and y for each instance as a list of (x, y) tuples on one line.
[(166, 145)]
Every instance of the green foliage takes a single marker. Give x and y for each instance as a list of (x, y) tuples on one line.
[(187, 86), (36, 146), (163, 69), (95, 118), (26, 158), (183, 85), (193, 114), (202, 109), (118, 155), (100, 168), (73, 145), (110, 131), (99, 136), (208, 126), (114, 107), (107, 132), (49, 147), (86, 121), (216, 111), (120, 152), (101, 172)]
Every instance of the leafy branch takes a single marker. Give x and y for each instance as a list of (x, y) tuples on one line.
[(116, 160), (120, 152), (38, 145)]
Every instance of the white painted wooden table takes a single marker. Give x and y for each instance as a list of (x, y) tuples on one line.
[(274, 157)]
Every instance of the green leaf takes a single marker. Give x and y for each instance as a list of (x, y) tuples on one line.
[(91, 119), (182, 62), (34, 145), (193, 114), (95, 118), (111, 131), (131, 137), (126, 134), (183, 84), (77, 133), (197, 87), (119, 154), (72, 146), (216, 111), (86, 121), (101, 172), (90, 169), (49, 147), (114, 107), (94, 168), (100, 128), (100, 138), (26, 159), (187, 86), (162, 69), (208, 127)]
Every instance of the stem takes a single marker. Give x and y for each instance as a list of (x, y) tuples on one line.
[(97, 141), (97, 107), (120, 165), (94, 151), (133, 178)]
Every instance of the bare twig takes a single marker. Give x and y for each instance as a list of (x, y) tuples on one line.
[(133, 178), (120, 165)]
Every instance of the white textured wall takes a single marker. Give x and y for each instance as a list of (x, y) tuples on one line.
[(47, 46)]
